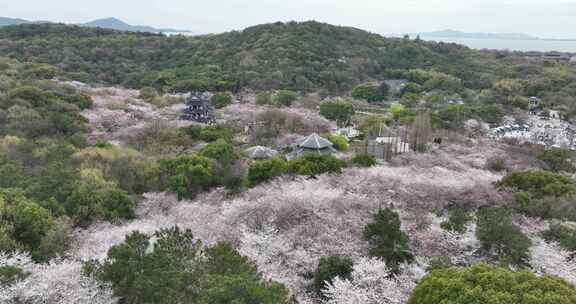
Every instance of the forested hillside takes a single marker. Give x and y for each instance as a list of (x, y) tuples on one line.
[(326, 165), (301, 56)]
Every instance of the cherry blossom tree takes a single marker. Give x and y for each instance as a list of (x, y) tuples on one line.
[(371, 283), (59, 282)]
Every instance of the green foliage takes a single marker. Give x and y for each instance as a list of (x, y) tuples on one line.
[(340, 142), (221, 100), (175, 269), (188, 175), (370, 93), (208, 133), (401, 113), (386, 239), (549, 207), (167, 273), (285, 98), (56, 241), (457, 221), (371, 124), (263, 171), (329, 268), (339, 111), (148, 93), (31, 223), (250, 58), (10, 275), (454, 116), (539, 183), (117, 204), (95, 198), (557, 159), (24, 222), (499, 235), (485, 284), (563, 234), (264, 98), (329, 58), (81, 100), (364, 160), (220, 151), (496, 164), (313, 164), (411, 88)]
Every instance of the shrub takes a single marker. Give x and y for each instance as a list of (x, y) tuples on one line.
[(172, 268), (485, 284), (564, 235), (56, 241), (208, 133), (83, 101), (340, 142), (263, 171), (496, 164), (498, 234), (221, 100), (546, 207), (458, 220), (117, 204), (264, 98), (220, 151), (364, 160), (285, 98), (339, 111), (10, 275), (557, 159), (234, 184), (370, 93), (539, 183), (148, 93), (386, 239), (329, 268), (188, 175), (313, 164)]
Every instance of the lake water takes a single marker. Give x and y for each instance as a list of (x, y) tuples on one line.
[(513, 45)]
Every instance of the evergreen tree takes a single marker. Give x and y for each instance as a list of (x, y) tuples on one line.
[(386, 239)]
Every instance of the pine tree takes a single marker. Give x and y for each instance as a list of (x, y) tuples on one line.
[(387, 241)]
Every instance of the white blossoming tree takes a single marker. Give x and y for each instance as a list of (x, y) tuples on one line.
[(60, 282), (371, 283)]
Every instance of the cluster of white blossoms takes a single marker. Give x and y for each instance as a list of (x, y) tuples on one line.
[(59, 282), (552, 259), (371, 283), (287, 225)]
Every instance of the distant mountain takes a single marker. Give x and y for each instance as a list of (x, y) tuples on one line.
[(4, 21), (117, 24), (107, 23), (459, 34)]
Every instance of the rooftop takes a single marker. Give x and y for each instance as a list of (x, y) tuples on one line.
[(315, 141)]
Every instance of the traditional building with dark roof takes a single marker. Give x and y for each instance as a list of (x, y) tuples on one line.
[(260, 152), (199, 108), (313, 144)]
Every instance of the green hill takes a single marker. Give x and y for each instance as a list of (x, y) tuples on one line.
[(303, 56)]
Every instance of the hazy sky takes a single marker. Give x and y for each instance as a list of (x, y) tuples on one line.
[(544, 18)]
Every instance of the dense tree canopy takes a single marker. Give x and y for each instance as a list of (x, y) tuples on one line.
[(485, 284), (178, 270), (386, 239)]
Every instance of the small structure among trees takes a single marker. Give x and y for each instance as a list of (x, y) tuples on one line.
[(199, 108), (260, 152), (313, 144)]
